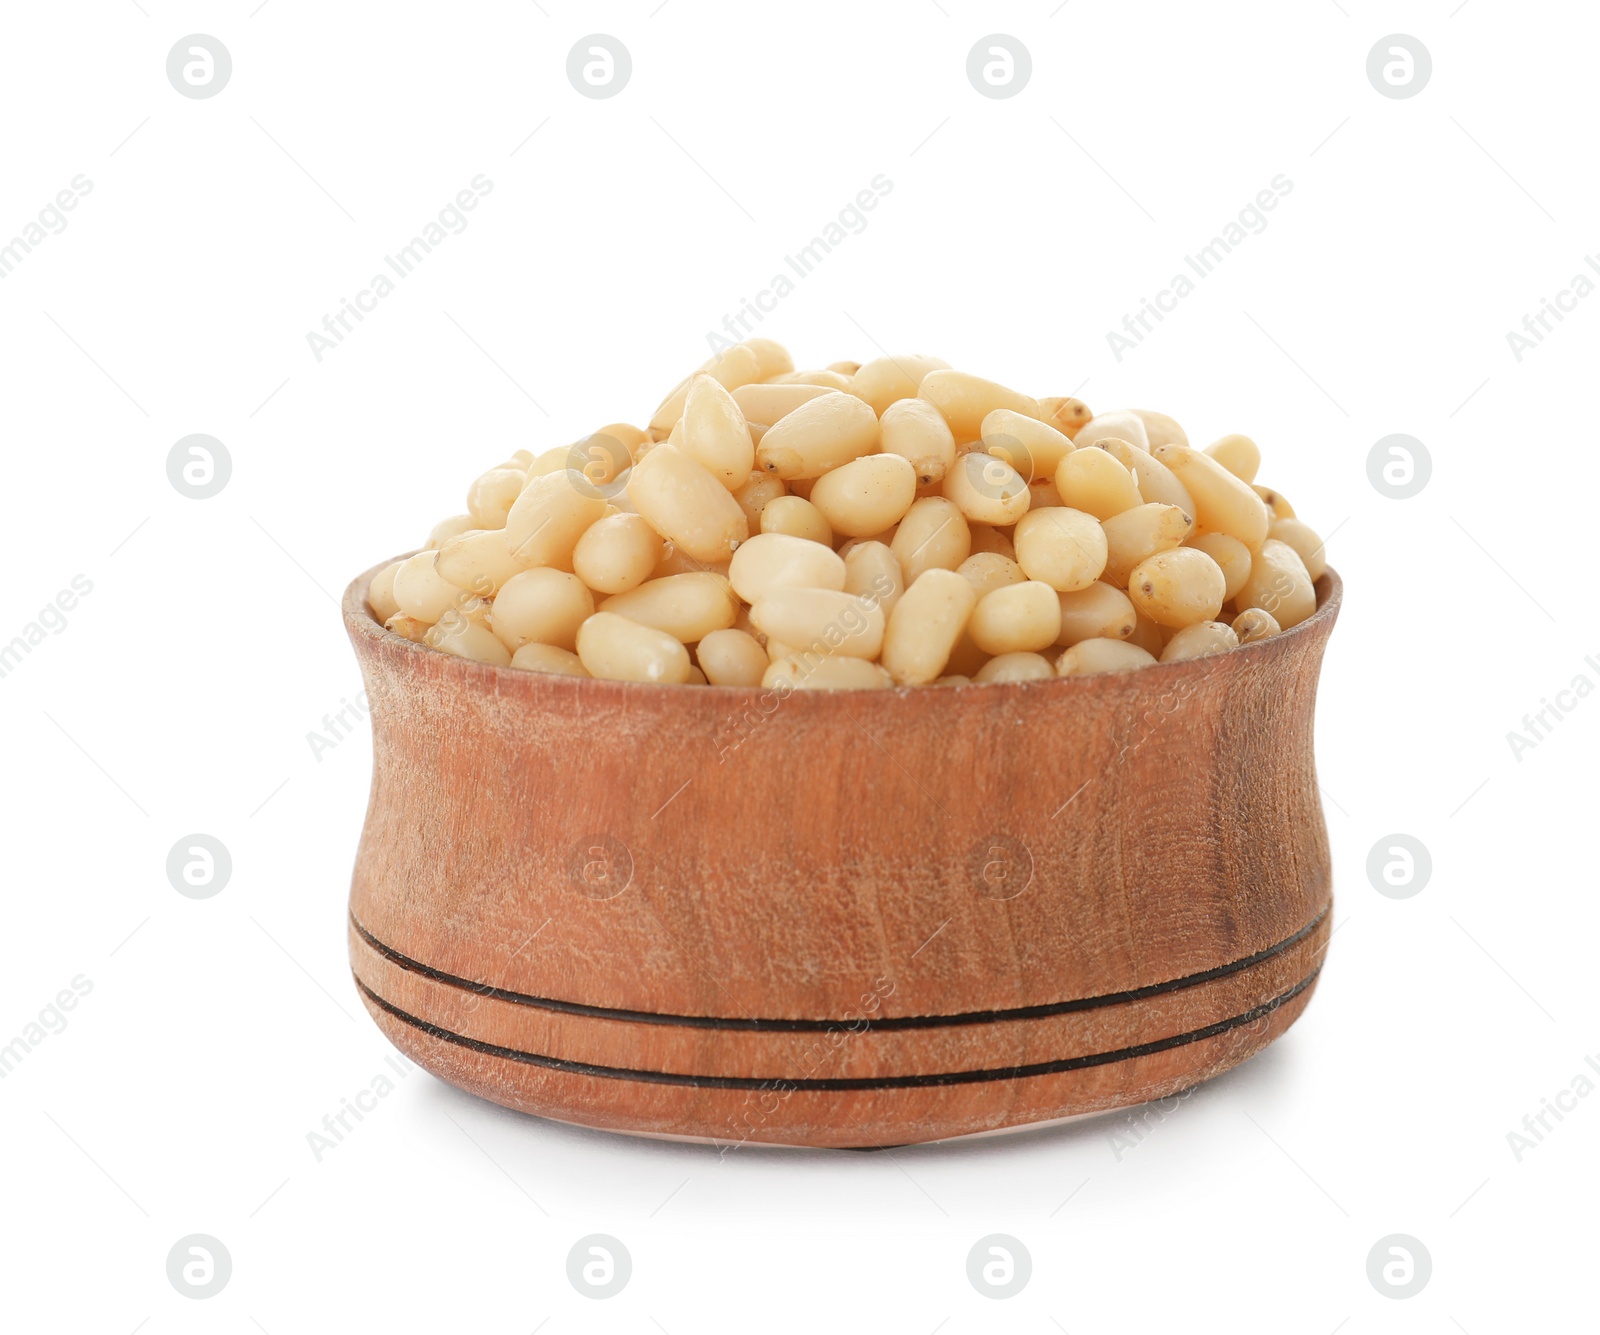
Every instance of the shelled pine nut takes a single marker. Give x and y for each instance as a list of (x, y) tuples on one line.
[(857, 525)]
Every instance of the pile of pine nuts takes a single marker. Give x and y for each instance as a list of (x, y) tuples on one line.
[(892, 523)]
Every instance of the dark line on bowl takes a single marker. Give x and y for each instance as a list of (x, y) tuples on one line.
[(886, 1024), (843, 1084)]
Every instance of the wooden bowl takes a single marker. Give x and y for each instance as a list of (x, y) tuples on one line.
[(853, 919)]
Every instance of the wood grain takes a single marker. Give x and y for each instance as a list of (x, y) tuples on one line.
[(841, 919)]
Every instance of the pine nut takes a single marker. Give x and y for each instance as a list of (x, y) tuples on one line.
[(866, 495), (780, 560), (420, 591), (540, 604), (925, 625), (465, 638), (1222, 503), (1157, 483), (1016, 618), (916, 430), (1035, 449), (1063, 547), (965, 400), (1099, 612), (820, 434), (1141, 532), (770, 404), (445, 529), (1255, 623), (1303, 538), (408, 628), (987, 489), (491, 497), (687, 505), (735, 366), (550, 516), (1279, 583), (1229, 553), (870, 569), (617, 553), (1092, 481), (988, 571), (824, 378), (1204, 637), (600, 458), (1068, 415), (731, 658), (825, 621), (536, 657), (803, 672), (1159, 429), (934, 534), (1113, 426), (1275, 501), (687, 607), (380, 593), (617, 649), (772, 358), (1089, 657), (1238, 454), (1016, 667), (478, 561), (715, 435), (670, 409), (551, 461), (797, 517), (887, 380), (1177, 588)]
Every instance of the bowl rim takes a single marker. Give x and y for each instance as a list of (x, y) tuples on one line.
[(359, 620)]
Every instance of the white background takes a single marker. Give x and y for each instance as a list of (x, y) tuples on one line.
[(179, 695)]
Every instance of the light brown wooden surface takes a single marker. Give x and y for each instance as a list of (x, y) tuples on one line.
[(829, 860)]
